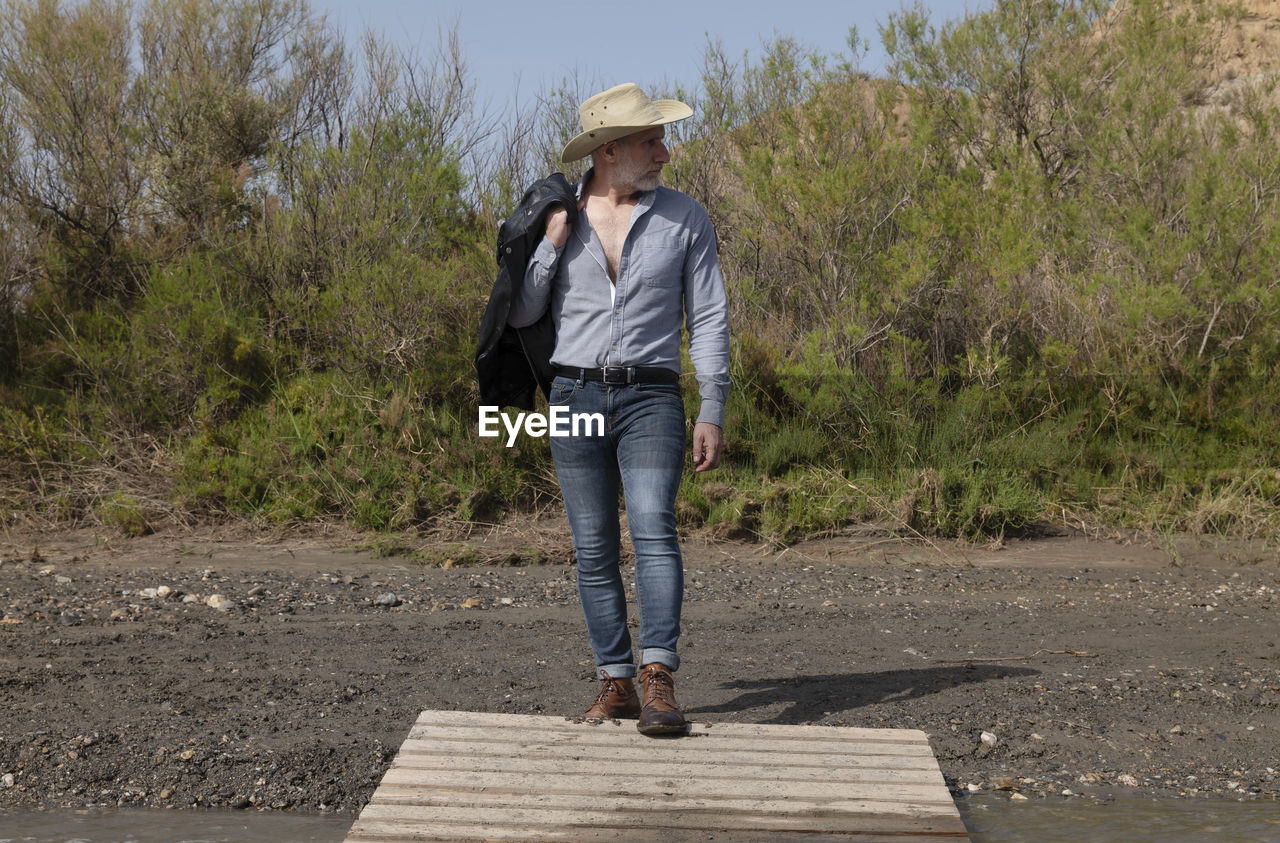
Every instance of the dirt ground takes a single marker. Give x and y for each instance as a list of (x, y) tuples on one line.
[(1096, 666)]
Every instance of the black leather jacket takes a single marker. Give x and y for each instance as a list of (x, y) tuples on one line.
[(512, 363)]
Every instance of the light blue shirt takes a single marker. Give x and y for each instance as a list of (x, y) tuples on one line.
[(668, 277)]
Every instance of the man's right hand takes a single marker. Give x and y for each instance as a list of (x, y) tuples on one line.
[(558, 227)]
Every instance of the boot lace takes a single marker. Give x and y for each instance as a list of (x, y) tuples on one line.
[(608, 688), (660, 687)]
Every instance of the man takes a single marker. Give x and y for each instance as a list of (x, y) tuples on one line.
[(639, 263)]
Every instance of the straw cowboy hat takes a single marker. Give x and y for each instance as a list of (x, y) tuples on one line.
[(618, 112)]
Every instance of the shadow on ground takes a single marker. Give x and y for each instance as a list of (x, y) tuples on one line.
[(810, 698)]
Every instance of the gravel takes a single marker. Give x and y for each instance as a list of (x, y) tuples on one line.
[(285, 675)]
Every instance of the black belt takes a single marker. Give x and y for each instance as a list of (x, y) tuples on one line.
[(620, 375)]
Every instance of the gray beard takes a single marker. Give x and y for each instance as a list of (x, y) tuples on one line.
[(637, 178)]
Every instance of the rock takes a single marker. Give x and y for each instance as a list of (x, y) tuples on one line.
[(166, 793), (240, 804), (1017, 797), (256, 590), (972, 787), (188, 754), (1176, 730), (61, 580), (506, 601), (989, 739), (471, 603), (388, 599), (148, 593), (1127, 780), (163, 591), (191, 598), (1066, 791), (8, 780), (219, 602)]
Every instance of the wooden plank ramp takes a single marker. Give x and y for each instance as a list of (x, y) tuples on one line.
[(466, 775)]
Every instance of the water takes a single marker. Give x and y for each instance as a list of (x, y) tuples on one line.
[(990, 818), (995, 819), (139, 825)]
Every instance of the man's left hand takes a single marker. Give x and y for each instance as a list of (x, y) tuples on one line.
[(708, 443)]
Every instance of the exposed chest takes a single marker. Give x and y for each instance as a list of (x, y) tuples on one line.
[(611, 226)]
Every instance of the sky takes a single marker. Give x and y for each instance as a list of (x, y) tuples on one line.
[(515, 48)]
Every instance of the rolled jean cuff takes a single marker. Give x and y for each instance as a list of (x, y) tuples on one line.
[(616, 671), (649, 655)]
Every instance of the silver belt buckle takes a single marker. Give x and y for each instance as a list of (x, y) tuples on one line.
[(616, 375)]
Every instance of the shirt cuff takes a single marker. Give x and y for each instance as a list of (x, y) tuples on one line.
[(712, 412), (546, 253)]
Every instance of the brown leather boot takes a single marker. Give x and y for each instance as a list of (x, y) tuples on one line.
[(660, 715), (617, 699)]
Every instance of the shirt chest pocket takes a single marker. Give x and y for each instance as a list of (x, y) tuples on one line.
[(664, 262)]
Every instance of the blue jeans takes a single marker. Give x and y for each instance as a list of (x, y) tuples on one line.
[(641, 451)]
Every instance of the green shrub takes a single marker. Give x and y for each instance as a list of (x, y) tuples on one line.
[(1029, 275), (123, 512)]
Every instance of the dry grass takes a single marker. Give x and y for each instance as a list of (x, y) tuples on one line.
[(123, 484)]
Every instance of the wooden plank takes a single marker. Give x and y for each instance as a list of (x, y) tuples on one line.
[(634, 740), (382, 831), (593, 782), (710, 766), (466, 775), (667, 751), (831, 821), (395, 794), (542, 721)]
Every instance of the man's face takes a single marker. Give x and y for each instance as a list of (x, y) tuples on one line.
[(640, 159)]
